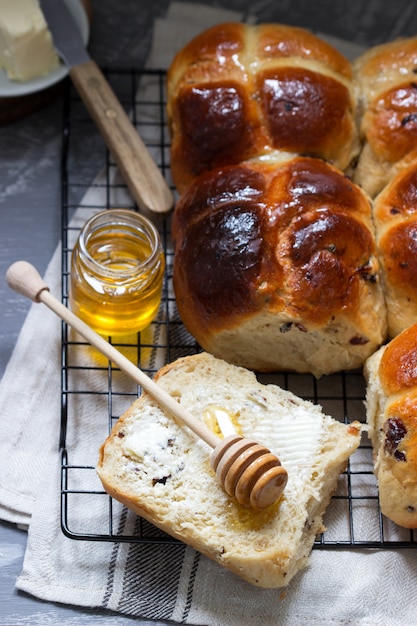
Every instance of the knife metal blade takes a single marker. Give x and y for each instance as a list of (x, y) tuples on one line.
[(140, 172), (66, 35)]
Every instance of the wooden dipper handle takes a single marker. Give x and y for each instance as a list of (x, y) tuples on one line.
[(24, 278), (255, 478)]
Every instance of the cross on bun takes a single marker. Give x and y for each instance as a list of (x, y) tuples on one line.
[(238, 91), (391, 401), (386, 77), (395, 216), (275, 266)]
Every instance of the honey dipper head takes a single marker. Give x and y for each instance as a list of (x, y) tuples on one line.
[(248, 471)]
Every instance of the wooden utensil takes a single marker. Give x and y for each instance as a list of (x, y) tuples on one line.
[(141, 174), (246, 470)]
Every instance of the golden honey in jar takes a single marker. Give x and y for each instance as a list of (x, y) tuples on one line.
[(117, 269)]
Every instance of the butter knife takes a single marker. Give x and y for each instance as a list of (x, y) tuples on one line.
[(137, 167)]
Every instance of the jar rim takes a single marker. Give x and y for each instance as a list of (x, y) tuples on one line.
[(115, 217)]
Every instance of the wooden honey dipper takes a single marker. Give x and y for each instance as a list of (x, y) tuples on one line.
[(246, 470)]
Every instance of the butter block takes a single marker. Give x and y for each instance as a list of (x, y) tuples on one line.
[(26, 47)]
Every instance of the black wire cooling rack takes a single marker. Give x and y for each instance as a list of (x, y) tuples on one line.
[(353, 518)]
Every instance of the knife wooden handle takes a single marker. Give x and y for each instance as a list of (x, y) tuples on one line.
[(141, 174)]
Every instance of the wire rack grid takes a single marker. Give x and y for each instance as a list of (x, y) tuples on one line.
[(353, 518)]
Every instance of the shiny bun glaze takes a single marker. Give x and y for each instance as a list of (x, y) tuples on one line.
[(386, 76), (238, 91), (275, 259), (392, 416), (398, 366), (395, 213)]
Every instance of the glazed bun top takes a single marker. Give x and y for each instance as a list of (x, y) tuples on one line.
[(237, 91), (398, 365), (387, 80), (294, 235)]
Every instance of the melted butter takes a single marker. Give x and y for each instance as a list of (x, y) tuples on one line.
[(224, 422), (296, 439), (221, 421), (153, 447)]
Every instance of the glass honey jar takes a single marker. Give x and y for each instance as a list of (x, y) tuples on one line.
[(117, 269)]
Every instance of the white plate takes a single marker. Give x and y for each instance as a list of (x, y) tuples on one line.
[(10, 88)]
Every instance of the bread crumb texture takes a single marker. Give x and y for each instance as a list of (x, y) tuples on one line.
[(162, 470)]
